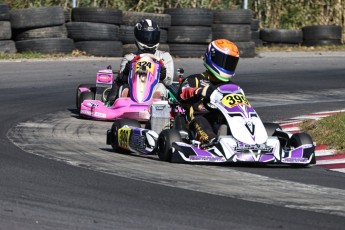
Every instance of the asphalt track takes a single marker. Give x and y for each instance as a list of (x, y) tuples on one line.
[(57, 172)]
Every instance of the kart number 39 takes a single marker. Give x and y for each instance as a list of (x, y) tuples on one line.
[(232, 100), (123, 137)]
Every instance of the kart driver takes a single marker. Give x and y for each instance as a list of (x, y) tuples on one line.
[(220, 60), (147, 37)]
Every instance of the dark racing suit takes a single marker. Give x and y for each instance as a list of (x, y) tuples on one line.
[(192, 92)]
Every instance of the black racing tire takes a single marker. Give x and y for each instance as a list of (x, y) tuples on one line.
[(67, 13), (246, 49), (190, 16), (238, 16), (281, 36), (271, 128), (258, 42), (322, 32), (330, 42), (100, 48), (298, 139), (7, 46), (97, 15), (130, 18), (87, 95), (127, 35), (165, 140), (4, 12), (187, 50), (255, 35), (131, 48), (35, 17), (92, 87), (44, 32), (90, 31), (5, 30), (255, 24), (46, 45), (232, 32), (116, 126), (190, 34)]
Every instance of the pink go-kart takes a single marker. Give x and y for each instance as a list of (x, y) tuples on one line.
[(91, 99)]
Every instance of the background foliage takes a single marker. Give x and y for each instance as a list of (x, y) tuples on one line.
[(283, 14)]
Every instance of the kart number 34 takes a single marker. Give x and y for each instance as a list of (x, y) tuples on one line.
[(123, 137), (232, 100)]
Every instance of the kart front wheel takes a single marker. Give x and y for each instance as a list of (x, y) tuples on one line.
[(165, 140), (114, 131), (87, 95), (88, 86), (299, 139)]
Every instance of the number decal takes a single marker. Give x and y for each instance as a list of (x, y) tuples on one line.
[(232, 100), (123, 137), (149, 66)]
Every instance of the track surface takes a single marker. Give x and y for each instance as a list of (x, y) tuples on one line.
[(117, 191)]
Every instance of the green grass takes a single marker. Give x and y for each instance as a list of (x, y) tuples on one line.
[(287, 48), (329, 131), (35, 55)]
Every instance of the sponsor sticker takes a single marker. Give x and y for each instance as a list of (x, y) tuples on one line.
[(206, 158), (102, 115), (123, 137), (295, 160), (86, 112)]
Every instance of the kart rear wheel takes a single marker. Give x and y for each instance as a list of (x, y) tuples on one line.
[(88, 86), (299, 139), (114, 131), (85, 96), (165, 140)]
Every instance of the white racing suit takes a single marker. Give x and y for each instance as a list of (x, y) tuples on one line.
[(168, 64)]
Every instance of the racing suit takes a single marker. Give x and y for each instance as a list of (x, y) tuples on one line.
[(192, 92), (160, 87)]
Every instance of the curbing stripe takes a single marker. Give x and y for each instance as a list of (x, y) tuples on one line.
[(326, 158)]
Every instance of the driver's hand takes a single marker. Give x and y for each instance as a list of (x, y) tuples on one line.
[(208, 90), (163, 73), (126, 69)]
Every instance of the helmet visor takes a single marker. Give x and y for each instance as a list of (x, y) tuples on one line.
[(149, 38), (224, 61)]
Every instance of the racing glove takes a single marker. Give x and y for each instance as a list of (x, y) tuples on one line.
[(163, 73), (126, 69), (205, 91)]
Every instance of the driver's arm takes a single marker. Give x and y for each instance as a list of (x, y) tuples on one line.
[(125, 60), (169, 65), (189, 91)]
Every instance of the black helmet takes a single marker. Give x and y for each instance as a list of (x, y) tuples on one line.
[(147, 35)]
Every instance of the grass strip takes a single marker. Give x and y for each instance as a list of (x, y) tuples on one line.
[(329, 131)]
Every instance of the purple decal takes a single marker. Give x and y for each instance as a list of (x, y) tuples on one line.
[(266, 158), (201, 152), (229, 88), (237, 109), (297, 153)]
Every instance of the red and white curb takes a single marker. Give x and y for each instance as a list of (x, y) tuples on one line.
[(326, 158)]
